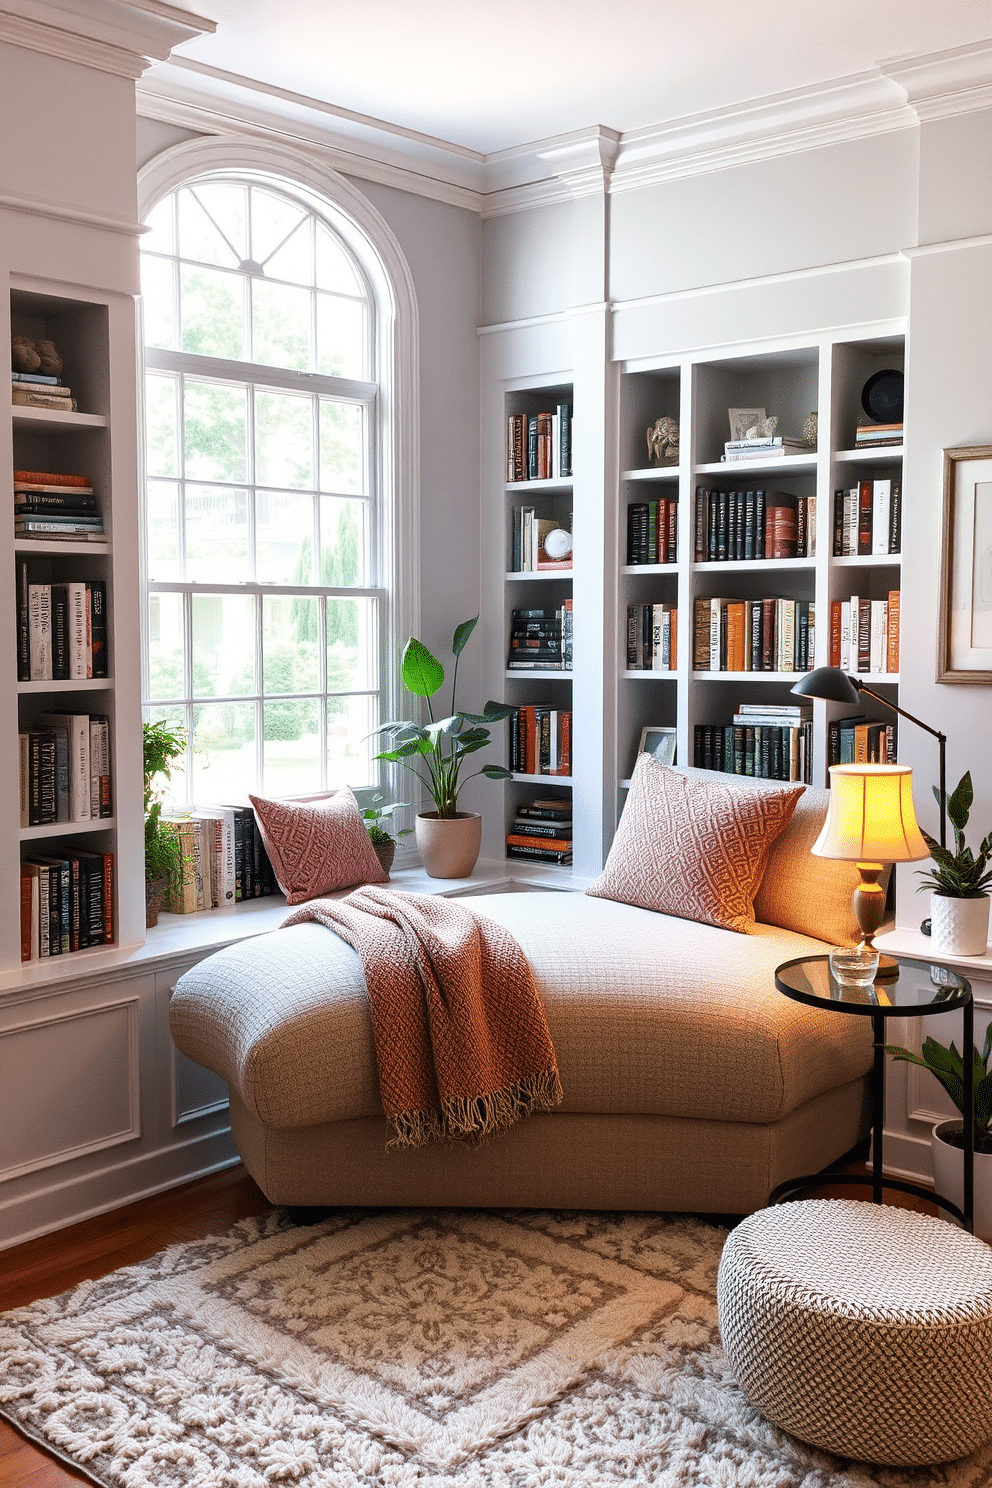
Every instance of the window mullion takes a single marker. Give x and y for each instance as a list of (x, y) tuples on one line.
[(260, 698)]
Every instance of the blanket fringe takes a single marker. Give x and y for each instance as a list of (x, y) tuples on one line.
[(475, 1119)]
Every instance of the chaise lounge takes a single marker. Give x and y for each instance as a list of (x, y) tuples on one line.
[(690, 1083)]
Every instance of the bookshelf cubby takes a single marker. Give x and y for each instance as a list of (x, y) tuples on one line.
[(81, 442)]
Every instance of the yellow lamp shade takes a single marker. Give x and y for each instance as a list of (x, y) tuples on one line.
[(871, 816)]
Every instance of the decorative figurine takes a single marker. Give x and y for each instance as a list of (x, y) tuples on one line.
[(663, 441), (810, 431), (558, 544), (764, 428)]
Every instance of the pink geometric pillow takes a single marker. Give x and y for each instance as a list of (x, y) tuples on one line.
[(317, 846), (692, 848)]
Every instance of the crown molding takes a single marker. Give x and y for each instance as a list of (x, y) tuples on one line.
[(122, 37), (80, 216), (942, 84), (207, 100), (550, 170)]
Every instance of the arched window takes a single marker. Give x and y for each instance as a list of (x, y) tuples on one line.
[(270, 486)]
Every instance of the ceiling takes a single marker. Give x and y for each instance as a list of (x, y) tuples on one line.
[(487, 75)]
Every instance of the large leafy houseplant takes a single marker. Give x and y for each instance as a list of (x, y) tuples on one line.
[(436, 751), (948, 1067), (958, 874)]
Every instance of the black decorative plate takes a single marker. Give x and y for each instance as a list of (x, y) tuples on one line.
[(881, 397)]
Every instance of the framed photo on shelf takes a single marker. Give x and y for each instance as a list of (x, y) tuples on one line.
[(964, 635), (659, 743), (742, 419)]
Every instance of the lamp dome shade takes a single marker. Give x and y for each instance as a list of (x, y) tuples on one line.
[(829, 683), (871, 817)]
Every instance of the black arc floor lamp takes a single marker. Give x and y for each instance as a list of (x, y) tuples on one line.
[(834, 686)]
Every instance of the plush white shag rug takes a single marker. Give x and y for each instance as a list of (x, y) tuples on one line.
[(411, 1349)]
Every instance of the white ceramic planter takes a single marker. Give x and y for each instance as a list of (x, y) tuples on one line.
[(948, 1176), (448, 845), (959, 927)]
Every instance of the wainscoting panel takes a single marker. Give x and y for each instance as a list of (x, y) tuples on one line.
[(68, 1086)]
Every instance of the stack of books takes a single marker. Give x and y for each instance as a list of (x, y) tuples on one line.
[(65, 769), (868, 519), (61, 629), (54, 506), (772, 447), (770, 740), (864, 633), (33, 390), (539, 445), (753, 635), (739, 526), (541, 740), (224, 860), (541, 639), (877, 436), (652, 637), (67, 903), (542, 832), (652, 531)]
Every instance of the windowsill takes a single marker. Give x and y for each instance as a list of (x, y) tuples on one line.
[(176, 937)]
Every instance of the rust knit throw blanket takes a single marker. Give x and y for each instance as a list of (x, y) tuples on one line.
[(461, 1040)]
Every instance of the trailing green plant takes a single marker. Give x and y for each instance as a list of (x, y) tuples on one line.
[(441, 747), (376, 817), (948, 1067), (162, 745), (958, 874)]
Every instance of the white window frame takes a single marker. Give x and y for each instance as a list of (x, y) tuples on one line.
[(393, 441)]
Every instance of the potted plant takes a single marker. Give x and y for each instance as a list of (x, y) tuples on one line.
[(162, 746), (384, 843), (448, 839), (947, 1137), (959, 907)]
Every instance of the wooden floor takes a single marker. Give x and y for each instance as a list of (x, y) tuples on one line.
[(53, 1263)]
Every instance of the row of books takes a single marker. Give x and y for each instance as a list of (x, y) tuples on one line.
[(877, 436), (864, 633), (49, 505), (529, 554), (541, 639), (64, 769), (653, 531), (224, 860), (775, 743), (61, 629), (540, 740), (739, 526), (868, 519), (857, 741), (539, 445), (542, 832), (67, 903), (652, 637), (753, 635), (764, 447)]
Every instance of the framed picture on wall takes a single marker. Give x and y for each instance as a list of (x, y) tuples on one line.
[(659, 743), (964, 636)]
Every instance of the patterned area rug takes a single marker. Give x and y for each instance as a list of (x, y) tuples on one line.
[(411, 1349)]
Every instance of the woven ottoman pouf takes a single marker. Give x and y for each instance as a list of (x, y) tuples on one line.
[(861, 1328)]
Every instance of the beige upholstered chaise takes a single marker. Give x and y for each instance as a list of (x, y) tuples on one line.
[(689, 1082)]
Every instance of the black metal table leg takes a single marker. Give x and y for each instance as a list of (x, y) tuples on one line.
[(877, 1106), (968, 1058)]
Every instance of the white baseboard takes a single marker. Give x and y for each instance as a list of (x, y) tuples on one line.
[(59, 1204)]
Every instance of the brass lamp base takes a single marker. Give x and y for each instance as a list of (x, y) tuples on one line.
[(868, 904)]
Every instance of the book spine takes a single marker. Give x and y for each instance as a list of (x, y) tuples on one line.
[(40, 632), (98, 627), (892, 632), (23, 624), (895, 517)]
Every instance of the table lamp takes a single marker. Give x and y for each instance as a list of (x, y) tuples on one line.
[(835, 686), (871, 822)]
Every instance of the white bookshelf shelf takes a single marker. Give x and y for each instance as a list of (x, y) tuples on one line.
[(653, 473), (888, 455), (869, 560), (54, 420), (753, 565), (77, 684), (548, 487), (736, 468), (68, 829), (39, 547), (528, 576)]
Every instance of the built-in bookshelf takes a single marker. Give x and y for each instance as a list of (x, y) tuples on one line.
[(538, 617), (759, 575), (64, 747)]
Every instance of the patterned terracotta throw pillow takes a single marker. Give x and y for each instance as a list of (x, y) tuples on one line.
[(316, 847), (693, 848)]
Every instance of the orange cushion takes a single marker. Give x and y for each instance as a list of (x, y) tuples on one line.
[(692, 848), (316, 847)]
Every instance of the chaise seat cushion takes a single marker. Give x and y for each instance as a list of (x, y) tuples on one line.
[(650, 1015)]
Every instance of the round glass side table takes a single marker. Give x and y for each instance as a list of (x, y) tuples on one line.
[(920, 989)]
